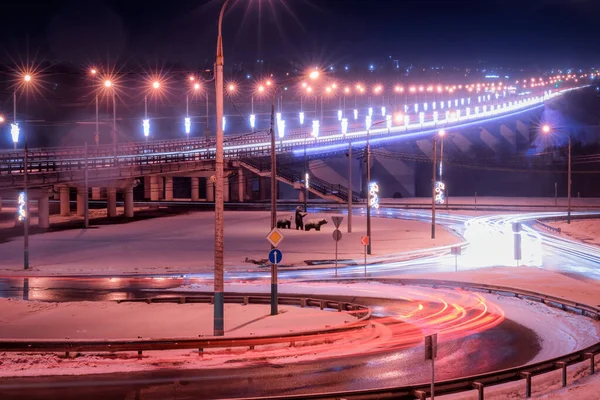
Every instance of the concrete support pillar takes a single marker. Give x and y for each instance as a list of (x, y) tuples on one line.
[(195, 188), (168, 188), (161, 188), (96, 193), (226, 189), (44, 211), (111, 202), (154, 189), (128, 201), (263, 188), (82, 198), (65, 206), (147, 187), (301, 195), (210, 190), (241, 185)]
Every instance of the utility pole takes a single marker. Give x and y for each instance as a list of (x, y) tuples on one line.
[(350, 187), (219, 329), (433, 189), (86, 220), (368, 149), (569, 181)]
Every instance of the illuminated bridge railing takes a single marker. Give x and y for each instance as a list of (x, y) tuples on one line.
[(240, 147)]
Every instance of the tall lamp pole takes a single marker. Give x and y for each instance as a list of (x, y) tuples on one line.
[(433, 188), (546, 129), (219, 205)]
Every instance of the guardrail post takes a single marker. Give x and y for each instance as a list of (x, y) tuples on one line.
[(302, 302), (591, 356), (563, 366), (340, 306), (527, 376), (246, 300), (200, 352), (139, 354), (212, 300), (479, 387), (419, 394), (321, 304), (182, 300)]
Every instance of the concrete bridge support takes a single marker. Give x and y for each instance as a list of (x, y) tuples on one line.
[(241, 182), (210, 190), (111, 202), (65, 206), (96, 193), (195, 188), (263, 188), (168, 188), (82, 199), (147, 187), (226, 189), (44, 211), (128, 200), (154, 188)]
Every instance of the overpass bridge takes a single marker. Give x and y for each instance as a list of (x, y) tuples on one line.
[(54, 171)]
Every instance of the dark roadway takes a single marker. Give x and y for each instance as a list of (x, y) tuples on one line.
[(505, 345)]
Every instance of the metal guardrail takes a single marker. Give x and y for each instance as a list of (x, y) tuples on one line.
[(362, 313), (480, 381), (548, 227)]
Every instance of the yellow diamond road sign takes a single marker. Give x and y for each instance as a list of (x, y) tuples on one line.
[(275, 237)]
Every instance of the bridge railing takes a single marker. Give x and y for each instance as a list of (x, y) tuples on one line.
[(181, 150)]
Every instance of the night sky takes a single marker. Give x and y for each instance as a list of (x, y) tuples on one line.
[(155, 32)]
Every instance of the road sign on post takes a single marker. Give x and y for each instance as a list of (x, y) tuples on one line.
[(516, 227), (431, 354), (275, 256), (274, 237), (456, 251), (337, 220), (337, 236), (364, 240)]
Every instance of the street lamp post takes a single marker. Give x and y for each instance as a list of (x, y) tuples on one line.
[(433, 188), (547, 129), (274, 302), (219, 204)]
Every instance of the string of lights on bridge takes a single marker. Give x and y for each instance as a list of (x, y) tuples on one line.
[(107, 84)]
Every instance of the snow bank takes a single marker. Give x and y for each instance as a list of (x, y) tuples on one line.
[(110, 320)]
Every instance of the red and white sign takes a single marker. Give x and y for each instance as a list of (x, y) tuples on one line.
[(364, 240)]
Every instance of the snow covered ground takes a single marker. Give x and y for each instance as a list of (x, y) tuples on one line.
[(503, 201), (109, 320), (184, 244), (585, 230)]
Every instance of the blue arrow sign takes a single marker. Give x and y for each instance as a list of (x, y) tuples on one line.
[(275, 256)]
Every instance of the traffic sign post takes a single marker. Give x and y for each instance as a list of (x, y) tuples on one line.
[(456, 250), (431, 354), (364, 240), (516, 227), (274, 237), (337, 236)]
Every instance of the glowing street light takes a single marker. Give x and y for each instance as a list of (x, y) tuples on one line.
[(281, 128), (93, 71), (315, 128), (252, 121), (156, 84), (27, 78)]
